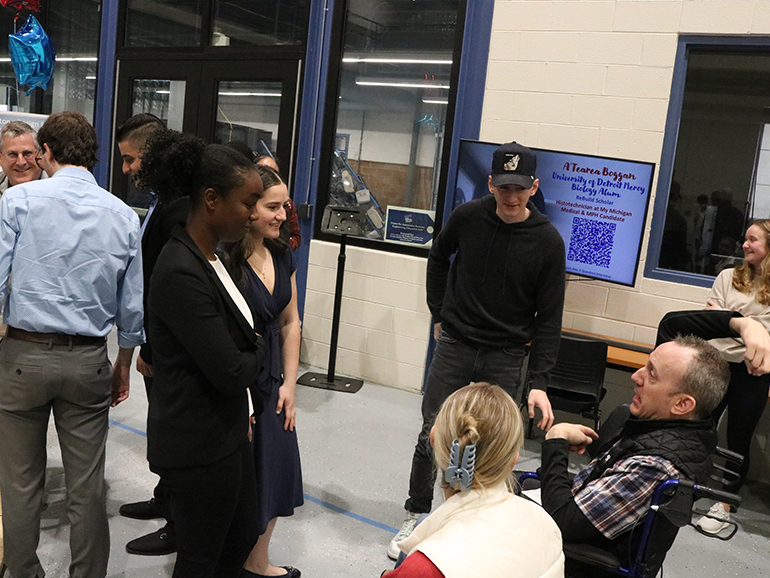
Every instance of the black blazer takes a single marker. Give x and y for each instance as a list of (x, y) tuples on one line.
[(164, 219), (205, 357)]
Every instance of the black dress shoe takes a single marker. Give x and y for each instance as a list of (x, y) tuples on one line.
[(156, 544), (148, 510), (291, 572)]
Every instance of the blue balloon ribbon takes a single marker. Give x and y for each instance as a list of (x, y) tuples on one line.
[(32, 55)]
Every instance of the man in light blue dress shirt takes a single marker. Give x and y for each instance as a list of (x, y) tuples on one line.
[(74, 252)]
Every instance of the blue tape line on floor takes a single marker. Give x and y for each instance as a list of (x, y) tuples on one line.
[(128, 427), (322, 503), (351, 514)]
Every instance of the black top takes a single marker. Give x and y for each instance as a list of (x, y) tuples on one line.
[(205, 357), (506, 285)]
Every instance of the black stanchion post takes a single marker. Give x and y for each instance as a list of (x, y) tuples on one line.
[(337, 310), (339, 221)]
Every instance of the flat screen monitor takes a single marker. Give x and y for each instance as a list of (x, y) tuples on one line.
[(598, 205)]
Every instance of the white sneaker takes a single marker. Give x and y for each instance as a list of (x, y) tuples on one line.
[(403, 534), (717, 522)]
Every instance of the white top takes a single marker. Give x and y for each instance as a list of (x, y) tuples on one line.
[(235, 295), (728, 297), (489, 533)]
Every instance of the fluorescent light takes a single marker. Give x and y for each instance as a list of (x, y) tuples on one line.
[(435, 100), (401, 84), (278, 94), (90, 78), (162, 92), (396, 60), (66, 59)]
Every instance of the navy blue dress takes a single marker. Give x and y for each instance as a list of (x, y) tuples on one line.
[(276, 452)]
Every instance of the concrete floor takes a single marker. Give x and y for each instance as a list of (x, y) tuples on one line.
[(356, 451)]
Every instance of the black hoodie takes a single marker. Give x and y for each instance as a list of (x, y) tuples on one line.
[(505, 287)]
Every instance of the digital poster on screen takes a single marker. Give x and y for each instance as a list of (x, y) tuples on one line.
[(598, 204)]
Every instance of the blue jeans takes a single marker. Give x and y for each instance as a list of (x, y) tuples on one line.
[(455, 364)]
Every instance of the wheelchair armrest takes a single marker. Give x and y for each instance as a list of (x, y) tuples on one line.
[(592, 555), (705, 492)]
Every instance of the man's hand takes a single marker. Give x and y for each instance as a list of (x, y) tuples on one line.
[(436, 330), (577, 436), (538, 398), (121, 373), (144, 368), (757, 341)]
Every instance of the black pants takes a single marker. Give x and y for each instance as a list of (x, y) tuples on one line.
[(746, 395), (455, 364), (745, 400), (215, 510), (161, 493)]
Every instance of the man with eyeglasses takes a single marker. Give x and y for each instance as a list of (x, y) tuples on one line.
[(18, 147)]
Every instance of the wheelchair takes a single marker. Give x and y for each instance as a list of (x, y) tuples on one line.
[(671, 508)]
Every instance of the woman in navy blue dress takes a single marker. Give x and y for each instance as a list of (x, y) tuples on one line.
[(264, 269)]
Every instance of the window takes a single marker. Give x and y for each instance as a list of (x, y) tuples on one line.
[(719, 176), (234, 23), (386, 142), (73, 27)]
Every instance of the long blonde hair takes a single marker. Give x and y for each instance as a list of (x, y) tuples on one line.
[(747, 280), (483, 414)]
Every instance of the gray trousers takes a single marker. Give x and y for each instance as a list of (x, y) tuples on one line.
[(74, 383)]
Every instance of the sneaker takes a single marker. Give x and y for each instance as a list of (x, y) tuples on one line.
[(155, 544), (148, 510), (403, 534), (715, 521)]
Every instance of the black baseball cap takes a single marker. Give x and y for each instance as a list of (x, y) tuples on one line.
[(513, 164)]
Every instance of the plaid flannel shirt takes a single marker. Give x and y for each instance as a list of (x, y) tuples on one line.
[(618, 499)]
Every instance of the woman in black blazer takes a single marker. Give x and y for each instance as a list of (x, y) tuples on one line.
[(206, 354)]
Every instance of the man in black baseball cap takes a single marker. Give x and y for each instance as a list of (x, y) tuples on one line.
[(504, 289)]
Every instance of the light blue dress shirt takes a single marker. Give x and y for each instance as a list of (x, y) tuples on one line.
[(74, 252)]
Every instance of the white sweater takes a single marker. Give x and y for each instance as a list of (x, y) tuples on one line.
[(489, 533)]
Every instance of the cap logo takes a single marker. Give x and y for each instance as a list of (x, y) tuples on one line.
[(512, 164)]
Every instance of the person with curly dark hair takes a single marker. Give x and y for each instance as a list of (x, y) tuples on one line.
[(206, 355)]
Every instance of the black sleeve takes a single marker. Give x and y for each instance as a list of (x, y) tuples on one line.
[(550, 306), (704, 324), (444, 246), (556, 495)]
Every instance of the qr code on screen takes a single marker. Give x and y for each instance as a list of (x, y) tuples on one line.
[(591, 242)]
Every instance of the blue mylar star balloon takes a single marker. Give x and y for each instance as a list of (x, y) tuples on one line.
[(32, 55)]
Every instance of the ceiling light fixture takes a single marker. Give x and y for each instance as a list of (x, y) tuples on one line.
[(357, 59), (414, 84)]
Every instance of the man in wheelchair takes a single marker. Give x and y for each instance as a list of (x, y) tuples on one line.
[(668, 435)]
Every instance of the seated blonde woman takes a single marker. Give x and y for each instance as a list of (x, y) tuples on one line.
[(482, 529)]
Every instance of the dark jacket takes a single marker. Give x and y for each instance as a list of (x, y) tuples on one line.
[(164, 219), (505, 287), (205, 357)]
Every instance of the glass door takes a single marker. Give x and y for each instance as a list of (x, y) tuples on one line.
[(220, 101)]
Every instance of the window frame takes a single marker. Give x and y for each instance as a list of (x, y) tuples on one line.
[(686, 44), (468, 82)]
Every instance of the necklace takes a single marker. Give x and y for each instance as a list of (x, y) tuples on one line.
[(261, 271)]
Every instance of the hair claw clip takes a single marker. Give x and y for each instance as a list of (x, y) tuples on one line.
[(462, 474)]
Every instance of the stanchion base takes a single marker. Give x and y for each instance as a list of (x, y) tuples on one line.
[(320, 381)]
